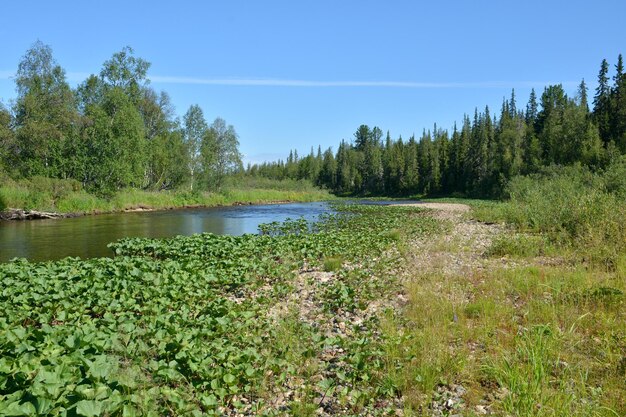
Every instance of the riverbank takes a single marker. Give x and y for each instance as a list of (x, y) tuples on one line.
[(501, 321), (22, 202), (386, 311)]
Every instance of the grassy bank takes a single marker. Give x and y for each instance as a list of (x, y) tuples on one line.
[(534, 340), (527, 315), (67, 196)]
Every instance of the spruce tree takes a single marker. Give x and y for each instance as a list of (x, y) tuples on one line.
[(602, 103), (582, 96), (512, 104), (618, 106)]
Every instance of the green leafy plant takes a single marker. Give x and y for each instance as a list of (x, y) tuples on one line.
[(177, 326)]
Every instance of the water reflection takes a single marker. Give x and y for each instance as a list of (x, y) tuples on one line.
[(88, 236)]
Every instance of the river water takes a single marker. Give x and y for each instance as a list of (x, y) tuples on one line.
[(87, 237)]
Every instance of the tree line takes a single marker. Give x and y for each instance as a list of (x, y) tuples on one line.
[(481, 154), (112, 131)]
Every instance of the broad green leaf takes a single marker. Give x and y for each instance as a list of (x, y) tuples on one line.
[(209, 400), (129, 411), (18, 409), (89, 408)]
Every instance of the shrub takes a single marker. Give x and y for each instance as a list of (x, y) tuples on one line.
[(574, 207)]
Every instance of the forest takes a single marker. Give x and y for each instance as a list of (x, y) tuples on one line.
[(481, 155), (111, 132), (114, 131)]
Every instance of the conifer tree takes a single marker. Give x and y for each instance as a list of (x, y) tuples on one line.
[(602, 103), (532, 109), (618, 106), (581, 96), (328, 173)]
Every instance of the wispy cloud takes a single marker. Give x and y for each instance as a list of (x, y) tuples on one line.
[(273, 82), (278, 82)]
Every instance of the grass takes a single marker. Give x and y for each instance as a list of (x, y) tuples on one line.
[(539, 332), (332, 263), (529, 341), (67, 196), (520, 245)]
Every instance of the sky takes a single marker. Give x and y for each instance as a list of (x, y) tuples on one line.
[(295, 74)]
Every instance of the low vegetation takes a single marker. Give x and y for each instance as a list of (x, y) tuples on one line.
[(534, 324), (373, 311), (523, 341), (191, 325), (68, 196), (573, 208)]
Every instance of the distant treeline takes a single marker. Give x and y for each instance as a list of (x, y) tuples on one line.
[(480, 155), (112, 131)]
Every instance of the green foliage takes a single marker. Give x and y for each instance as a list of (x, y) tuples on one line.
[(246, 182), (39, 193), (219, 152), (482, 156), (66, 196), (572, 207), (114, 131), (82, 202), (45, 116), (195, 128), (172, 326)]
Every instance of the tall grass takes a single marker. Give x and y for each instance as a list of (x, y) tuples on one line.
[(36, 193), (67, 196)]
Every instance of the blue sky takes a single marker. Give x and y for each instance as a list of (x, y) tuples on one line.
[(292, 74)]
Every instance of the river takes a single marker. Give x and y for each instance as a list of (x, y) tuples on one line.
[(88, 236)]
